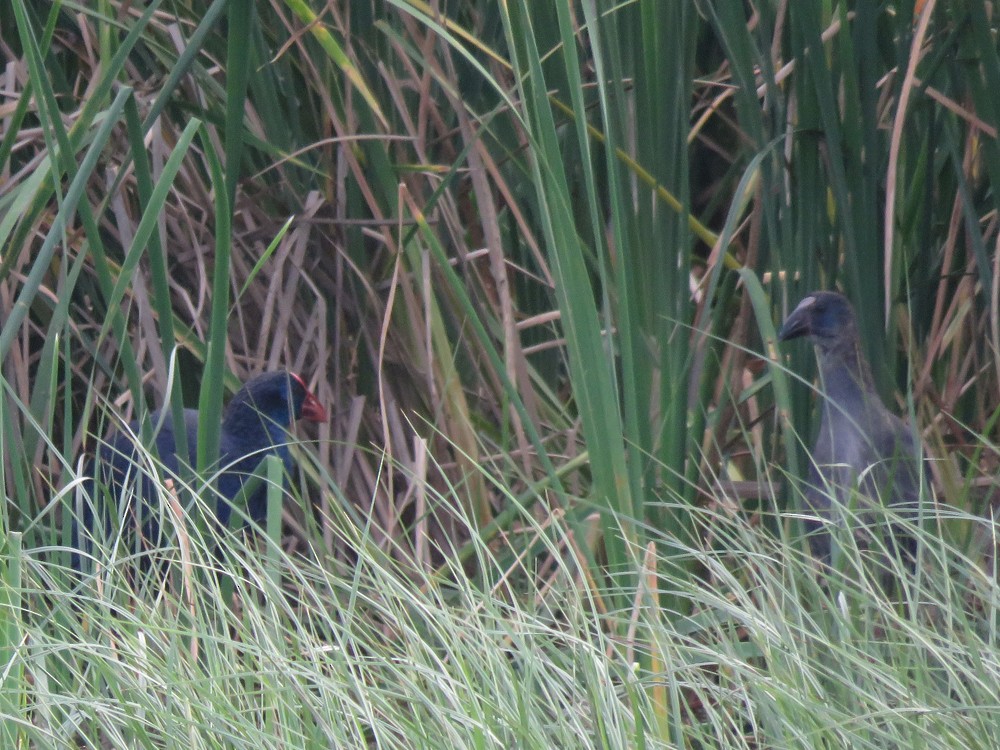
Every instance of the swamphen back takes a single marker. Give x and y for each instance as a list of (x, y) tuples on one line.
[(255, 424)]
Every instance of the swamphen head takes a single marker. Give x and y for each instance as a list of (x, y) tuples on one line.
[(826, 317), (254, 425), (274, 400)]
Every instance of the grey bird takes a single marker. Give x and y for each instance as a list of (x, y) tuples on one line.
[(864, 455)]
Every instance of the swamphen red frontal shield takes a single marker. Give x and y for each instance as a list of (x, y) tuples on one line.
[(254, 425)]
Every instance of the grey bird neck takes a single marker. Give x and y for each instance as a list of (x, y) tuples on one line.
[(849, 399)]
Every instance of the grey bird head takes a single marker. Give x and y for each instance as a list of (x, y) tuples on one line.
[(826, 317)]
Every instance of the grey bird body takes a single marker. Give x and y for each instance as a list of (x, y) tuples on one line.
[(864, 455)]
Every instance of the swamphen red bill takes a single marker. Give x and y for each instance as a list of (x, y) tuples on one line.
[(254, 424)]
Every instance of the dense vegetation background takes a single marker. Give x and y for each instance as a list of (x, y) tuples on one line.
[(532, 254)]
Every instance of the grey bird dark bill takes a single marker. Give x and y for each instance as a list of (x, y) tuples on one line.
[(864, 456)]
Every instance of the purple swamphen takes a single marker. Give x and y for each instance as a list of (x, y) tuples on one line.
[(863, 453), (255, 424)]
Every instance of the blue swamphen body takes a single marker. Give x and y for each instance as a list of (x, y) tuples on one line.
[(863, 454), (255, 424)]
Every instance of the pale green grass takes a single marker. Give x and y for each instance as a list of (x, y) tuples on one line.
[(269, 650)]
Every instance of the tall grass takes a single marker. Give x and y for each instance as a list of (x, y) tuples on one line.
[(301, 653), (535, 255)]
